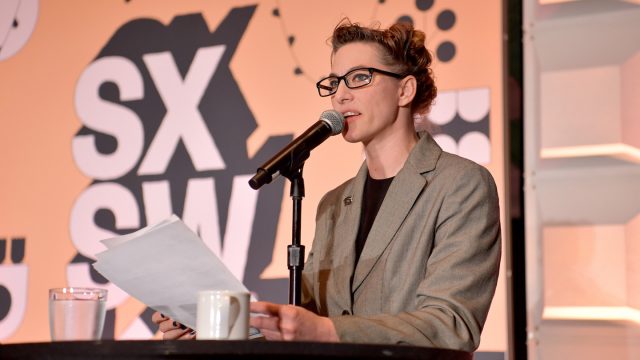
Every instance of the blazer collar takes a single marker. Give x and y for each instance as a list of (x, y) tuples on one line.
[(425, 154)]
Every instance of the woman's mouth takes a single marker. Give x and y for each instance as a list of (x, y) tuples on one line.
[(350, 114)]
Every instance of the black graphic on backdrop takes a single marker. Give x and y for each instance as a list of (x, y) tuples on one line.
[(17, 255), (13, 284)]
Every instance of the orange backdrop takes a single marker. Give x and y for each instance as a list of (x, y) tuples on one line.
[(41, 181)]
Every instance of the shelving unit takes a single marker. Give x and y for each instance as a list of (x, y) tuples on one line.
[(582, 177)]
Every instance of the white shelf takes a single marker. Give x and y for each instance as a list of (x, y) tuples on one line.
[(588, 195), (572, 42), (618, 314), (601, 155)]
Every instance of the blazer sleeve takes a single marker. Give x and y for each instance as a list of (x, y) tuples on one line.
[(453, 298)]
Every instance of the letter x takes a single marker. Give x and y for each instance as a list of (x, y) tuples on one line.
[(183, 120)]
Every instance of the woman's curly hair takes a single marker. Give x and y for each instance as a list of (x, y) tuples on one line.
[(404, 50)]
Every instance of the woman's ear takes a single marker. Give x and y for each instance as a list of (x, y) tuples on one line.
[(407, 90)]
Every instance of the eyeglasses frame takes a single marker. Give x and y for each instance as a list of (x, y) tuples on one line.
[(344, 77)]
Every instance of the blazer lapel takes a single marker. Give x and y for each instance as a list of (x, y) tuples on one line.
[(346, 230), (402, 194)]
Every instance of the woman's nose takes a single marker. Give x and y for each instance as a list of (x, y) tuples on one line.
[(343, 93)]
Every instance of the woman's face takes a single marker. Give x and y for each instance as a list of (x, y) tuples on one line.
[(370, 111)]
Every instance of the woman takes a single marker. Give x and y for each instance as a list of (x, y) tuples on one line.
[(407, 251)]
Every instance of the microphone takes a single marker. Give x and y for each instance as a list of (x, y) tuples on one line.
[(293, 155)]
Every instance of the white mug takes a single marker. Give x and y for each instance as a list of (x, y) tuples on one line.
[(222, 315)]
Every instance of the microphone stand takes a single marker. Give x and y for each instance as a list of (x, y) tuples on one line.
[(289, 163), (295, 251)]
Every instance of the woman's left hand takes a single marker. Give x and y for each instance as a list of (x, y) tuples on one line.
[(288, 322)]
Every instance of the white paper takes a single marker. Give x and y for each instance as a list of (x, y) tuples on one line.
[(165, 266)]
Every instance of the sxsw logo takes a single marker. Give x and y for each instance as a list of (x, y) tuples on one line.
[(164, 131)]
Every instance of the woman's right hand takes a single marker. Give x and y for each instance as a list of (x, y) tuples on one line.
[(171, 329)]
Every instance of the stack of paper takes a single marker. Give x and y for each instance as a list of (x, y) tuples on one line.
[(164, 266)]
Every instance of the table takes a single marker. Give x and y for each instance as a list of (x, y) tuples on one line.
[(209, 349)]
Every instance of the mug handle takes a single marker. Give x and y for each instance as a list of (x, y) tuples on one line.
[(234, 313)]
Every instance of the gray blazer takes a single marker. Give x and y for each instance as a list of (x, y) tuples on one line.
[(429, 268)]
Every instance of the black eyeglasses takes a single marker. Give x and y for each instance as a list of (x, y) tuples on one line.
[(353, 79)]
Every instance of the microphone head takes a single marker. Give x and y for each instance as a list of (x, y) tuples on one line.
[(334, 119)]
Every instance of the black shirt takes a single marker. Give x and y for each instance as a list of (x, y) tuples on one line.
[(374, 192)]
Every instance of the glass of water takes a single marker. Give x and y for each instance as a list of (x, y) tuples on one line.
[(76, 313)]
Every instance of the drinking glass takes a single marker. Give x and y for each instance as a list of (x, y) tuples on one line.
[(76, 313)]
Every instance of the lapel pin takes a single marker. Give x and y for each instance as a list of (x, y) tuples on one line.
[(347, 200)]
